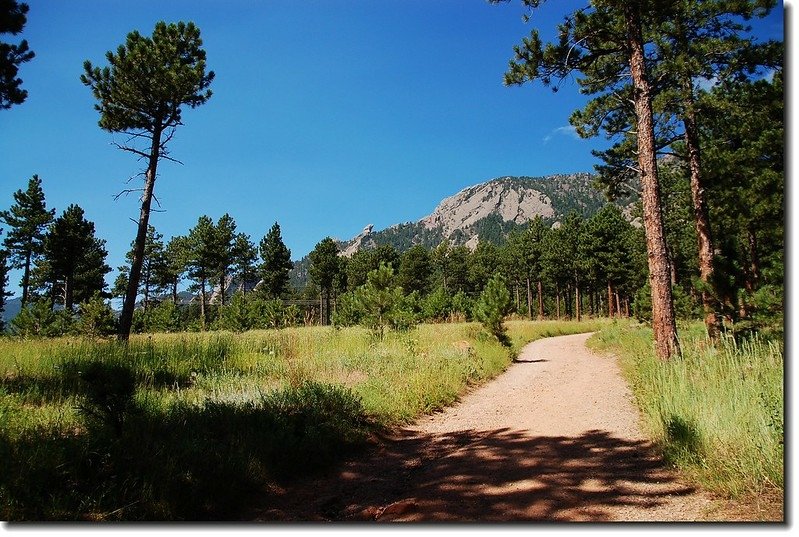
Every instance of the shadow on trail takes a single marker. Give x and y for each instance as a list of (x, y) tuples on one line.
[(499, 475)]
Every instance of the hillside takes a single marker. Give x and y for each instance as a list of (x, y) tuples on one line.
[(489, 211), (484, 212)]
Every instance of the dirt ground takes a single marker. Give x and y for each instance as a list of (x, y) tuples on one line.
[(554, 438)]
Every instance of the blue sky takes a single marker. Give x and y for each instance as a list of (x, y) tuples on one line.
[(327, 115)]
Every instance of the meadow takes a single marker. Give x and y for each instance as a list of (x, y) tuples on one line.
[(192, 426), (717, 412)]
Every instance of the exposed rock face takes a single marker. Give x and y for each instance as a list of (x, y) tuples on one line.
[(356, 243), (513, 200), (489, 211)]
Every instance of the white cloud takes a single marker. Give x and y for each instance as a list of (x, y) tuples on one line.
[(566, 131)]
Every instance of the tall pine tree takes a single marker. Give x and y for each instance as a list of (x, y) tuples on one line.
[(604, 42), (27, 220), (74, 259), (324, 270), (141, 93), (275, 263)]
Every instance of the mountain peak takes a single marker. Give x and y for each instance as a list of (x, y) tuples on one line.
[(489, 210)]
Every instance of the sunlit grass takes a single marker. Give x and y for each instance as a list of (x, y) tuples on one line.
[(717, 411), (212, 416)]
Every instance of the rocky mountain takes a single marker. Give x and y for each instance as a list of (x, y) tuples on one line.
[(489, 211)]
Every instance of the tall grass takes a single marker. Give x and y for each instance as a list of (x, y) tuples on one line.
[(192, 426), (717, 412)]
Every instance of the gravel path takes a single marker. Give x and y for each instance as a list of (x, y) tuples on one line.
[(554, 438)]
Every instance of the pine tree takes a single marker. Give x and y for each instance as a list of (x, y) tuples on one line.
[(151, 267), (379, 298), (743, 136), (27, 220), (605, 43), (172, 63), (225, 237), (483, 264), (275, 263), (324, 270), (414, 270), (604, 249), (13, 16), (493, 306), (201, 260), (175, 260), (74, 259), (245, 259)]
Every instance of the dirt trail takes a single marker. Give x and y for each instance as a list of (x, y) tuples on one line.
[(555, 438)]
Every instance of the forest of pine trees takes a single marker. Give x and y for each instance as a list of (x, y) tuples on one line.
[(711, 190)]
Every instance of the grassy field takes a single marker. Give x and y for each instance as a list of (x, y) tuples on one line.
[(191, 426), (717, 412)]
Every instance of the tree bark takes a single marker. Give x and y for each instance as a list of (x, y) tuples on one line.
[(26, 277), (68, 292), (529, 300), (754, 262), (610, 300), (126, 317), (557, 301), (202, 304), (663, 320), (540, 301), (577, 299), (700, 210)]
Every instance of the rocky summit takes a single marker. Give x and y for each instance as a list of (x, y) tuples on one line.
[(489, 211)]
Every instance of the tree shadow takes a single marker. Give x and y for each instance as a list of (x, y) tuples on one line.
[(498, 475)]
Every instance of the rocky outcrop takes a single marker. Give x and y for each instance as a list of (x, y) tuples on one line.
[(357, 242), (490, 210), (514, 201)]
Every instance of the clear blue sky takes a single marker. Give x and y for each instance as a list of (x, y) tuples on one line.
[(327, 115)]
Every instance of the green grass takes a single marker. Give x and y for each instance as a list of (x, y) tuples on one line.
[(192, 426), (717, 412)]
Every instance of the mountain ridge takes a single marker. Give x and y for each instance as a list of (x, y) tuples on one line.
[(490, 210)]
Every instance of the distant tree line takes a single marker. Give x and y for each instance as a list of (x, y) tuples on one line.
[(712, 236)]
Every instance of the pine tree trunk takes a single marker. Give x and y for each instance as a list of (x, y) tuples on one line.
[(540, 301), (701, 215), (557, 301), (529, 300), (202, 304), (610, 300), (663, 320), (567, 301), (577, 300), (26, 277), (68, 292), (126, 317), (618, 304), (754, 262)]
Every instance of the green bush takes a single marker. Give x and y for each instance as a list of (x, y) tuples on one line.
[(38, 319), (437, 305), (95, 318), (492, 307)]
